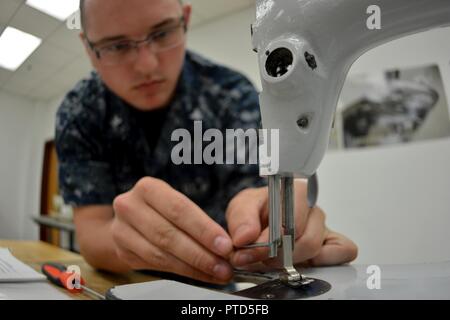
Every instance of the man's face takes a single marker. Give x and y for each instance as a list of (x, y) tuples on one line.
[(147, 82)]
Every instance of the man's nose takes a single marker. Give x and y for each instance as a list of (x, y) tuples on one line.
[(146, 60)]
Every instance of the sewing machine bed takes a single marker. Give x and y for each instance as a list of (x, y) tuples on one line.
[(406, 281)]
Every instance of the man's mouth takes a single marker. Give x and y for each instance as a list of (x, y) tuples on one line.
[(150, 86)]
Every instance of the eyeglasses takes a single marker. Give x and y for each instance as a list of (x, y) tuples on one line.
[(126, 51)]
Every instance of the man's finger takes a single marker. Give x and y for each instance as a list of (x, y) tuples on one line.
[(168, 238), (310, 243), (243, 216), (245, 257), (302, 209), (141, 254), (186, 215), (337, 249)]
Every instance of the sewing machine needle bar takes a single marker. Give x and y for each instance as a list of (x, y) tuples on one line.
[(288, 206), (274, 214)]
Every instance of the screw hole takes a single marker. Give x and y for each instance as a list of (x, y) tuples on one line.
[(311, 60), (303, 122), (279, 62)]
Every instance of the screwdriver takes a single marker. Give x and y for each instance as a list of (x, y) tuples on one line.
[(57, 274)]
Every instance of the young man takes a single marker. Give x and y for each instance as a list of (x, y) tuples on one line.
[(136, 209)]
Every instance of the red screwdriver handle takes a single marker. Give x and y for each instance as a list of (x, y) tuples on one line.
[(69, 282), (52, 273), (57, 274)]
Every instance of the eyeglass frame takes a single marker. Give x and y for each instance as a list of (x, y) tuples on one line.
[(136, 43)]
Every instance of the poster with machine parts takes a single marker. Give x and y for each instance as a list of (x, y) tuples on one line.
[(391, 107)]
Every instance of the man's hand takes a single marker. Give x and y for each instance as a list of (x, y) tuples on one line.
[(247, 218), (156, 227)]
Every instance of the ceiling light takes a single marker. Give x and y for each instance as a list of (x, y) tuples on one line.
[(60, 9), (15, 47)]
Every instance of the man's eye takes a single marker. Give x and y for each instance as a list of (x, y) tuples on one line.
[(161, 35), (119, 47)]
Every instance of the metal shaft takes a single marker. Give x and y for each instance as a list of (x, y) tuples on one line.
[(287, 187), (274, 214), (93, 293)]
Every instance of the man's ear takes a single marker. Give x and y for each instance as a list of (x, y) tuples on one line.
[(187, 11)]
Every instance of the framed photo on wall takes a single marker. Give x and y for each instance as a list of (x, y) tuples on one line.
[(392, 107)]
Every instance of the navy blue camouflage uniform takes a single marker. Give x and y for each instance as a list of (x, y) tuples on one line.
[(105, 146)]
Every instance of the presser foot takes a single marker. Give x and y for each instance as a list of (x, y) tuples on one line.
[(294, 281)]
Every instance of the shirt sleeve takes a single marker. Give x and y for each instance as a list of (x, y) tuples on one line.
[(84, 172), (242, 112)]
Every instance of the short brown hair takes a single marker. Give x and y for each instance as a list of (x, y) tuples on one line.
[(82, 11)]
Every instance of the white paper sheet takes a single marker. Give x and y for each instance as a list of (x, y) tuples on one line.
[(30, 291), (14, 270)]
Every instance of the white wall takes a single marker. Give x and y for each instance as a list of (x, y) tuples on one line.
[(393, 202), (228, 41), (47, 116), (16, 166), (25, 126)]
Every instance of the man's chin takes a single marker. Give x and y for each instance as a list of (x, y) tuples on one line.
[(150, 103)]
